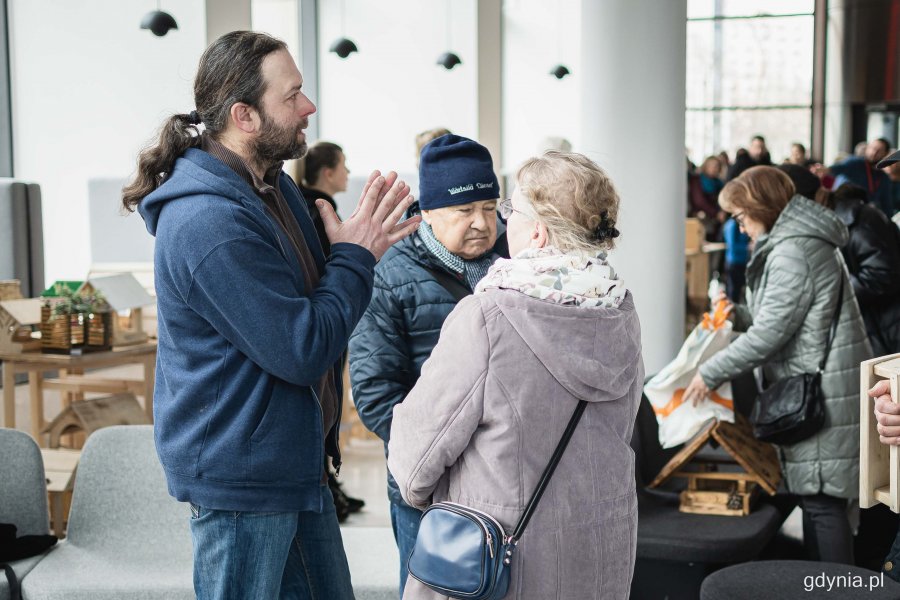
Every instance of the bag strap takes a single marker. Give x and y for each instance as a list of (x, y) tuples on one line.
[(14, 591), (834, 323), (450, 283), (548, 473)]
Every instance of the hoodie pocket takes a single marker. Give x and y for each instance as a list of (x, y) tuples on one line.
[(287, 445)]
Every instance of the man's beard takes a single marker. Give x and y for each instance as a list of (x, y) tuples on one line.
[(276, 143)]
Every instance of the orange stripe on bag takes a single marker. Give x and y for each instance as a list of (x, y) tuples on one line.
[(717, 320), (678, 399)]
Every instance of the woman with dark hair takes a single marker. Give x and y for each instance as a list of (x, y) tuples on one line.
[(325, 174), (795, 278)]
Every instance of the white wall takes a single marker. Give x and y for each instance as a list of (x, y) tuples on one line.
[(538, 35), (375, 102), (89, 89), (279, 18)]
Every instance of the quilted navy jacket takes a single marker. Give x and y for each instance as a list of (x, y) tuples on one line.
[(397, 334)]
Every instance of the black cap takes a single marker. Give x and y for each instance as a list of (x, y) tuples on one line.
[(805, 182), (889, 160)]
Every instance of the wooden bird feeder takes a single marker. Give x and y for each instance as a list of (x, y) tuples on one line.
[(18, 319), (879, 465), (90, 415), (724, 486), (127, 297)]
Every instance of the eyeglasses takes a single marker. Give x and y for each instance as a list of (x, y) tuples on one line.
[(506, 209), (738, 218)]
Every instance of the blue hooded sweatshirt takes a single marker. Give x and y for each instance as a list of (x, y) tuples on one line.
[(241, 341)]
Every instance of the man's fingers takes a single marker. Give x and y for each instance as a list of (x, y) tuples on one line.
[(892, 441), (884, 405), (881, 388), (372, 177), (886, 418), (389, 203), (404, 229), (369, 201), (389, 181), (329, 218), (888, 431), (397, 213)]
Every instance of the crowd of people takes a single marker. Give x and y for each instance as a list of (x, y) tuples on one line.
[(474, 327)]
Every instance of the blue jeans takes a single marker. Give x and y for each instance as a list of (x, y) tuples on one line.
[(405, 523), (287, 555)]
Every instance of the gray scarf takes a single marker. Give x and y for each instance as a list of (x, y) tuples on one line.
[(472, 270)]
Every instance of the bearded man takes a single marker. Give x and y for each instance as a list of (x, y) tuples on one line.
[(252, 324)]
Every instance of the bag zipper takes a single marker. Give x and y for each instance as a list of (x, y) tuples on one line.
[(487, 531)]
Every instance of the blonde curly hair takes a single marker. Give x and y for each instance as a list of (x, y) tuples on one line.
[(574, 198)]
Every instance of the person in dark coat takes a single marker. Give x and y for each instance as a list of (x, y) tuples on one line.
[(417, 285), (325, 174), (703, 197), (757, 155), (872, 256)]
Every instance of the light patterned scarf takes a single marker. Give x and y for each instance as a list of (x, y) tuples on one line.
[(549, 274)]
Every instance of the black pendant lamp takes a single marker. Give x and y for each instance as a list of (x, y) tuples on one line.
[(343, 46), (158, 22), (449, 59), (560, 70)]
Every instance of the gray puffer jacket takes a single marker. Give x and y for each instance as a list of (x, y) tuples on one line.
[(792, 292), (486, 414)]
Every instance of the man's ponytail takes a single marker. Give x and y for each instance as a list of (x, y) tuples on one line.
[(156, 161)]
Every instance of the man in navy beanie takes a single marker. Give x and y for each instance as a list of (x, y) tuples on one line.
[(417, 284)]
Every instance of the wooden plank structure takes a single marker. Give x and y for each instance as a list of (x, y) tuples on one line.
[(59, 468), (17, 319), (90, 415), (879, 465), (124, 294), (716, 492)]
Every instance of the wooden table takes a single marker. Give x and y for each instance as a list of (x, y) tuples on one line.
[(35, 364), (59, 469)]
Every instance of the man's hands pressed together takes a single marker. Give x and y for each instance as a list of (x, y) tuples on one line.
[(374, 224)]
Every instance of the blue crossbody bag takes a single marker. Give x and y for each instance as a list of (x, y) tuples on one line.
[(465, 553)]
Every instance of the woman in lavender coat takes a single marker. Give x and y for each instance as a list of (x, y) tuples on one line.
[(545, 329)]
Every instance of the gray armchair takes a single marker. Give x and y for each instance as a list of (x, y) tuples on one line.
[(127, 538), (23, 496)]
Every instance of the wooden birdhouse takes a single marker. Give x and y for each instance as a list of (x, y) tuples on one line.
[(724, 485), (90, 415), (126, 297), (879, 465), (18, 319)]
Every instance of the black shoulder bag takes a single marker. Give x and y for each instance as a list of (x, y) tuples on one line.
[(793, 409)]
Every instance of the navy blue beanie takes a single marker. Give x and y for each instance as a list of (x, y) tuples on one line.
[(455, 170)]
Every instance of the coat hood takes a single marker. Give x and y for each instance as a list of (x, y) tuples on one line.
[(195, 173), (804, 218), (592, 352)]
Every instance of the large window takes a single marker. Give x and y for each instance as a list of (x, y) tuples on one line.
[(749, 72)]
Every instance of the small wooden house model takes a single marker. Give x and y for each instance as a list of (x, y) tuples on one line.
[(18, 316), (126, 297), (90, 415), (879, 465), (724, 486)]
